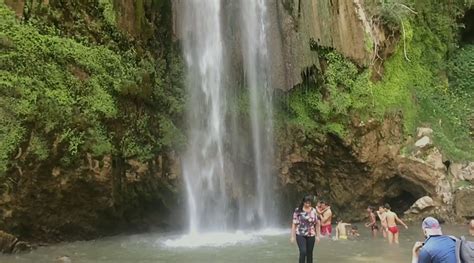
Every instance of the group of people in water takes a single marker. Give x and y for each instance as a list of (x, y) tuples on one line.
[(310, 223)]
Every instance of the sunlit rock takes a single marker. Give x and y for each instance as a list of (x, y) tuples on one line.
[(420, 132), (464, 202), (420, 205), (462, 171), (423, 142), (63, 259), (435, 159)]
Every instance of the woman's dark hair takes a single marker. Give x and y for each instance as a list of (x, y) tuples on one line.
[(307, 198)]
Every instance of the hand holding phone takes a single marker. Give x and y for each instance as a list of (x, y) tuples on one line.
[(417, 246)]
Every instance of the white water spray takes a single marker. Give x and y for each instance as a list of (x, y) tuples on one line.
[(257, 75), (203, 166), (217, 192)]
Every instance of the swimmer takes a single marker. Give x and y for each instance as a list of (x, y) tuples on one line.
[(372, 221), (341, 230), (392, 220), (326, 217), (354, 233), (383, 221)]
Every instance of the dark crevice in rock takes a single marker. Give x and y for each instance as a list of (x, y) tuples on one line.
[(401, 194), (467, 33)]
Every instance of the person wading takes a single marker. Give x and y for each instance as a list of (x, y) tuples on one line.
[(392, 220), (372, 221), (305, 229), (326, 219), (383, 221)]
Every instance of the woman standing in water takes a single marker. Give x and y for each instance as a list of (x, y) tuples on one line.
[(305, 229)]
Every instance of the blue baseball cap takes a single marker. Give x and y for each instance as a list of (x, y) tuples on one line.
[(431, 226)]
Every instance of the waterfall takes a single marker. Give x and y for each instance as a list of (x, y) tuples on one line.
[(203, 165), (219, 196), (257, 75)]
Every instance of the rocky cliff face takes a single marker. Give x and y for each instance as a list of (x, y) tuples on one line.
[(377, 162), (48, 200), (369, 168), (49, 203)]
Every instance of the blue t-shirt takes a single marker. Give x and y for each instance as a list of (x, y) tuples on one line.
[(438, 249)]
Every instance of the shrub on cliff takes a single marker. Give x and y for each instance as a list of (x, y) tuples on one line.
[(60, 98)]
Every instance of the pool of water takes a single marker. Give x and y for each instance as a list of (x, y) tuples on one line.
[(262, 246)]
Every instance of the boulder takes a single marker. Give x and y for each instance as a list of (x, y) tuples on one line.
[(10, 244), (422, 131), (435, 159), (22, 246), (423, 142), (464, 202), (420, 205), (63, 259), (7, 242), (462, 171)]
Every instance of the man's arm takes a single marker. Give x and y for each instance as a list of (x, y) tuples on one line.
[(401, 222)]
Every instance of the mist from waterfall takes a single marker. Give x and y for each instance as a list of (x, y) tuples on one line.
[(220, 196)]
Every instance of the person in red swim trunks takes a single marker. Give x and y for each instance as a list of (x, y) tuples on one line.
[(326, 218), (392, 220)]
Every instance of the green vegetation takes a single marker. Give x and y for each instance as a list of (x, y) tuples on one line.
[(323, 103), (62, 97), (415, 80), (109, 12)]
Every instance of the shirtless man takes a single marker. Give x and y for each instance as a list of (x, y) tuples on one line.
[(392, 220), (326, 216), (383, 220), (341, 230), (372, 221)]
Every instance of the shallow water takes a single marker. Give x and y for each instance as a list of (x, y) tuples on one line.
[(264, 246)]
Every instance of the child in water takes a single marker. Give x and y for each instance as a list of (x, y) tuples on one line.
[(341, 230), (354, 234)]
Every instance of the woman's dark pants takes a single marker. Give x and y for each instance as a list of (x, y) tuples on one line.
[(306, 245)]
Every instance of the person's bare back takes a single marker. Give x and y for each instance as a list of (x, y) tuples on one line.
[(382, 216), (390, 218), (341, 230)]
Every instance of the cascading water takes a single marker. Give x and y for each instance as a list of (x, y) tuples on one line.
[(257, 75), (203, 166), (220, 196)]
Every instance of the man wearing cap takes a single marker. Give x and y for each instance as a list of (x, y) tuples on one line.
[(437, 248)]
